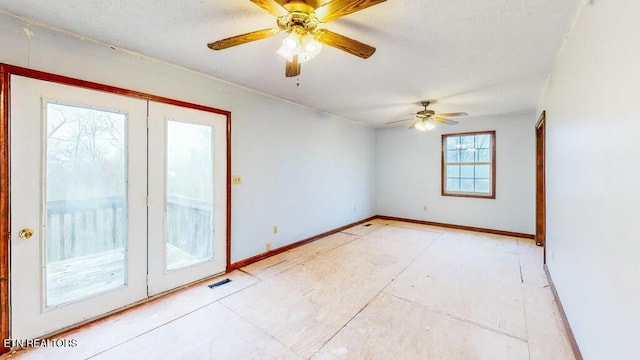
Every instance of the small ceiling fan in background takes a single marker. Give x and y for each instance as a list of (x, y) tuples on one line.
[(426, 119), (300, 19)]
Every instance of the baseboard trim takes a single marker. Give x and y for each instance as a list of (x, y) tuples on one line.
[(458, 227), (563, 315), (256, 258), (251, 260)]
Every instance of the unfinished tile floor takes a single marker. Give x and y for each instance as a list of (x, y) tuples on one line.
[(381, 290)]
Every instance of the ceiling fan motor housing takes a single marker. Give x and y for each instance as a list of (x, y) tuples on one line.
[(297, 20), (299, 6), (425, 113), (422, 114)]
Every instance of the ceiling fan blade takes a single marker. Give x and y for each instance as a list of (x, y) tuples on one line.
[(242, 39), (444, 121), (398, 121), (338, 8), (453, 114), (272, 7), (293, 67), (344, 43)]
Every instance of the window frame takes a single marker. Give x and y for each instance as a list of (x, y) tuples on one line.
[(492, 172)]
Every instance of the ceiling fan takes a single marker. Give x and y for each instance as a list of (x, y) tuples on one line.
[(300, 19), (426, 119)]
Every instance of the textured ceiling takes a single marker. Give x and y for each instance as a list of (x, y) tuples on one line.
[(484, 57)]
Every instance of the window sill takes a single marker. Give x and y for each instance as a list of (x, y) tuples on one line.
[(470, 195)]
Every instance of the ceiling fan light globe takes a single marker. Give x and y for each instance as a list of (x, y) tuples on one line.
[(421, 126), (311, 46), (286, 53), (291, 42), (429, 125), (290, 46)]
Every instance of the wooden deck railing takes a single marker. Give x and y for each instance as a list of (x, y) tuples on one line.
[(84, 227), (189, 224)]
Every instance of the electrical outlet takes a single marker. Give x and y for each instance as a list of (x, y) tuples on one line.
[(275, 229), (268, 246), (355, 209), (237, 180), (424, 208)]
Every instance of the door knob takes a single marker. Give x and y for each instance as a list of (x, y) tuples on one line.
[(25, 233)]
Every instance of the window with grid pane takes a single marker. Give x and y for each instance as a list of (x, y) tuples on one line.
[(468, 164)]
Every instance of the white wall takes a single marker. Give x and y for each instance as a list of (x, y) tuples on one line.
[(304, 171), (593, 177), (408, 176)]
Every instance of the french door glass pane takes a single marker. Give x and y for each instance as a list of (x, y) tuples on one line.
[(189, 212), (86, 202)]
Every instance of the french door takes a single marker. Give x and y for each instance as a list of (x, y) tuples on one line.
[(187, 196), (113, 199)]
